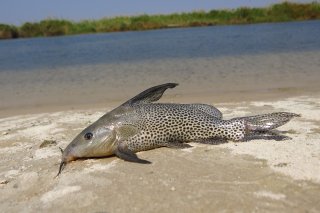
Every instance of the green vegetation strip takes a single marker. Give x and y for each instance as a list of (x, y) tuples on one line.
[(276, 13)]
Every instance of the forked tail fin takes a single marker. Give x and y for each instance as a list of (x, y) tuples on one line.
[(268, 122), (253, 127)]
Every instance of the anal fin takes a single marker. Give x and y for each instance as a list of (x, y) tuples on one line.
[(212, 141), (177, 145)]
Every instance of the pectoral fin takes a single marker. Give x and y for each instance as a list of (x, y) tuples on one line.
[(126, 154)]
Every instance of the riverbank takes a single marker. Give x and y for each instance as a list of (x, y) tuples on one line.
[(282, 12), (257, 175)]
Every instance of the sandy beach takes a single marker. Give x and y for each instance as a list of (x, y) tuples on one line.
[(259, 175)]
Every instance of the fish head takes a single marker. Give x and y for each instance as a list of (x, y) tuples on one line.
[(93, 141), (99, 139)]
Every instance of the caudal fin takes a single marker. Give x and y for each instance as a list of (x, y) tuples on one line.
[(267, 122)]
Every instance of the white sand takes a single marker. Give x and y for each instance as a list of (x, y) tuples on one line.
[(301, 155)]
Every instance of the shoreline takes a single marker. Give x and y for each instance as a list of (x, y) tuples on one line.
[(225, 99)]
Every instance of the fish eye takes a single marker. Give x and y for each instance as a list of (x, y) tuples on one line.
[(88, 136)]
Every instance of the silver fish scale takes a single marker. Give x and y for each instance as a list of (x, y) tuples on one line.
[(162, 124)]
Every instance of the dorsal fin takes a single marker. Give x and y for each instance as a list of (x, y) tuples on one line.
[(150, 95)]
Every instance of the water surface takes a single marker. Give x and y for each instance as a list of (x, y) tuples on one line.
[(219, 63), (216, 41)]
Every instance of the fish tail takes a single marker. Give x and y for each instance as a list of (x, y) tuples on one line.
[(266, 122), (242, 128)]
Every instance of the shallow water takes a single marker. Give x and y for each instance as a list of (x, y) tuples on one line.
[(212, 64)]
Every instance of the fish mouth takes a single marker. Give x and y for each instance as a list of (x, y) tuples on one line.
[(63, 164), (65, 159)]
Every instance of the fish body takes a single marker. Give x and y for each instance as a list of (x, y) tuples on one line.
[(139, 125), (169, 125)]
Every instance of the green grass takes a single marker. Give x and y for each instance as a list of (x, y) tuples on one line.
[(56, 27)]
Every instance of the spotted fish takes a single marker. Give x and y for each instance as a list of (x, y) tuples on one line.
[(139, 125)]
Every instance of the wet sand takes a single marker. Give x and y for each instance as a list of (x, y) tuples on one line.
[(260, 175), (211, 80)]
